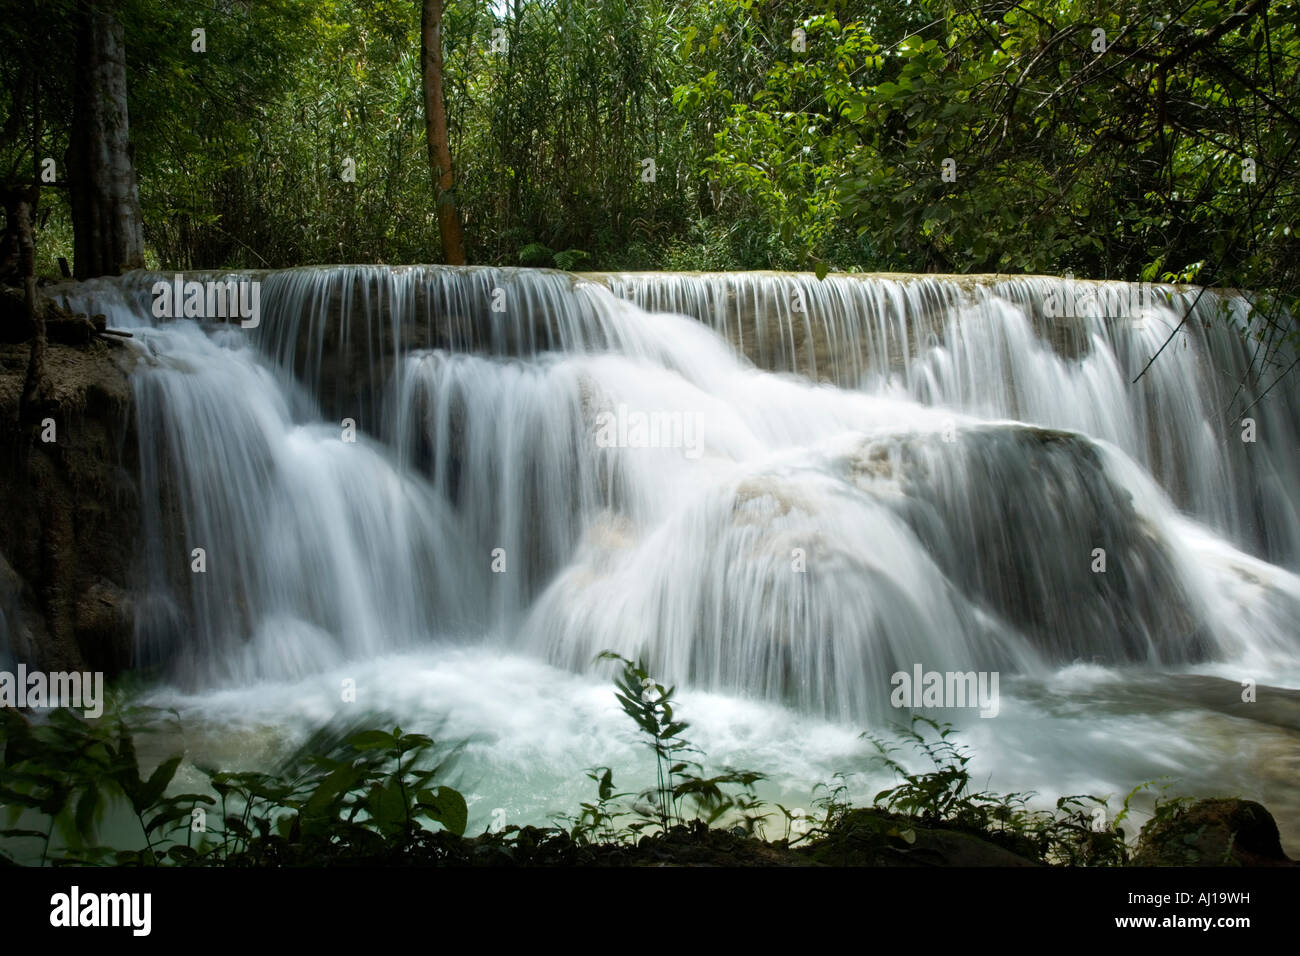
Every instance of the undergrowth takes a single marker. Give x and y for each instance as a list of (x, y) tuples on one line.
[(360, 795)]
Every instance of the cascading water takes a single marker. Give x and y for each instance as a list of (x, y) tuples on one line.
[(779, 490)]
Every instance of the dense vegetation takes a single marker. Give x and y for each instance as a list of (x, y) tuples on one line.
[(1132, 140), (350, 796)]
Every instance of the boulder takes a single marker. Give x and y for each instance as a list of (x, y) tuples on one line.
[(1212, 833)]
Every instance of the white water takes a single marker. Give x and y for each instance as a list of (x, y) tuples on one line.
[(914, 472)]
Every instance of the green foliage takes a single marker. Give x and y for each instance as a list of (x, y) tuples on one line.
[(1166, 813), (650, 706), (367, 791), (819, 150), (598, 820), (1076, 833), (537, 254), (679, 780), (68, 772), (354, 794), (1005, 139)]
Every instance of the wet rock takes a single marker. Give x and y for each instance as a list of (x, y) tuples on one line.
[(71, 515), (104, 622), (1213, 833)]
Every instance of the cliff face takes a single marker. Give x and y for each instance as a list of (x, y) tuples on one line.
[(69, 513)]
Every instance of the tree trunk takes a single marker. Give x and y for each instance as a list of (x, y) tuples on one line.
[(435, 124), (107, 233)]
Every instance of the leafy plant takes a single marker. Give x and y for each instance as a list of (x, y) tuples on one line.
[(352, 793), (597, 822), (70, 771), (569, 258), (369, 790), (679, 779), (1075, 833), (1166, 813), (539, 254)]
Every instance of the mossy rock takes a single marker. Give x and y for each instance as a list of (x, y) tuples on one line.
[(1213, 833)]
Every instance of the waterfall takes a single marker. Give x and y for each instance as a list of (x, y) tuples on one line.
[(764, 483)]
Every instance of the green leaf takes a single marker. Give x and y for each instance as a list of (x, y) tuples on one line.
[(446, 806), (86, 811), (182, 854), (372, 740), (157, 785), (339, 781), (387, 805)]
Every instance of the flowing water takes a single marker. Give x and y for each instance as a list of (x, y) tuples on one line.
[(453, 488)]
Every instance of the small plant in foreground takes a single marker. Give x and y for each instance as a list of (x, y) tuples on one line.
[(359, 791), (355, 794), (942, 798), (650, 705), (64, 774), (597, 822)]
